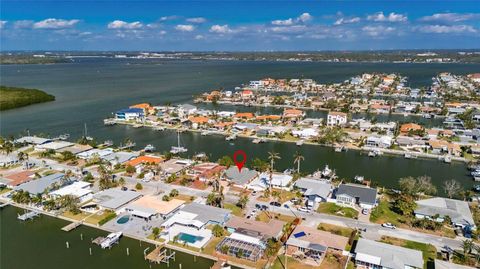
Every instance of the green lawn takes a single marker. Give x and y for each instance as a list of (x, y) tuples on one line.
[(383, 213), (335, 229), (237, 211), (334, 209), (429, 251)]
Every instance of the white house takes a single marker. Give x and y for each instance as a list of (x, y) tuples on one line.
[(336, 118), (79, 189), (383, 141), (130, 114)]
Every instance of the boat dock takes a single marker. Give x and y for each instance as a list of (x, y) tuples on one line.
[(5, 204), (28, 215), (160, 255), (71, 226), (98, 240)]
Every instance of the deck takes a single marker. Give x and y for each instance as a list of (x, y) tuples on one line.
[(71, 226), (160, 255)]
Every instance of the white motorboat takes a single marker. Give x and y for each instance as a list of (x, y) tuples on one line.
[(299, 143), (231, 137), (149, 148), (110, 240)]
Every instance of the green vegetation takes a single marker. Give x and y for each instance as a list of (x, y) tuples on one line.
[(333, 209), (12, 97), (237, 211), (383, 213), (30, 59), (108, 217), (335, 229)]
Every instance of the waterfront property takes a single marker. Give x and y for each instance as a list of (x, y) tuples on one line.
[(263, 182), (371, 254), (315, 190), (79, 189), (46, 183), (271, 229), (439, 208), (149, 206), (355, 194), (114, 199), (310, 244), (240, 178)]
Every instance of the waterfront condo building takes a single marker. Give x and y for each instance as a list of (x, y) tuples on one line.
[(336, 118)]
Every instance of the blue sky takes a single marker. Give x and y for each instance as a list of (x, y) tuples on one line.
[(239, 25)]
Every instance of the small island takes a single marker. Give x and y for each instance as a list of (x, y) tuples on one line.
[(13, 97)]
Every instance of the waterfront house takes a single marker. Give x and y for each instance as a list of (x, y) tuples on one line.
[(408, 128), (206, 171), (291, 114), (175, 166), (355, 194), (145, 159), (239, 178), (43, 184), (310, 244), (32, 140), (197, 121), (119, 157), (79, 189), (315, 190), (185, 110), (147, 108), (130, 114), (89, 154), (306, 133), (376, 141), (244, 115), (17, 178), (336, 118), (114, 199), (376, 255), (54, 145), (438, 208), (149, 207), (262, 182), (247, 94)]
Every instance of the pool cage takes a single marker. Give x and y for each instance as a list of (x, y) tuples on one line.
[(249, 251)]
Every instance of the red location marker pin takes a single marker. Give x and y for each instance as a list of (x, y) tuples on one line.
[(242, 162)]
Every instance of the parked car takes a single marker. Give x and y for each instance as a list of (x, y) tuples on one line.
[(275, 204), (286, 206), (303, 209), (365, 211), (389, 225), (258, 206), (264, 207), (124, 188)]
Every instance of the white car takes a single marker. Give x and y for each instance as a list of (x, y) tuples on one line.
[(389, 225), (303, 209)]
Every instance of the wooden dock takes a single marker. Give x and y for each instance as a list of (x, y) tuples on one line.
[(98, 240), (5, 204), (71, 226), (160, 255)]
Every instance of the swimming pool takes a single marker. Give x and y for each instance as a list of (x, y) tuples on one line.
[(123, 219), (189, 238)]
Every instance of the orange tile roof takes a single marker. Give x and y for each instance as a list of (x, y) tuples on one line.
[(145, 159), (292, 112), (247, 92), (198, 119), (20, 177), (142, 106), (268, 117), (405, 128), (336, 113), (247, 115)]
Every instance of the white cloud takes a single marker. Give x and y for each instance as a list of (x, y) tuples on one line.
[(392, 17), (447, 29), (199, 37), (346, 21), (118, 24), (22, 24), (289, 29), (196, 20), (53, 23), (168, 18), (451, 17), (2, 24), (185, 27), (305, 17), (283, 22), (378, 30), (220, 29)]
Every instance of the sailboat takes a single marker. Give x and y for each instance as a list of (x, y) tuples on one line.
[(178, 149), (85, 133)]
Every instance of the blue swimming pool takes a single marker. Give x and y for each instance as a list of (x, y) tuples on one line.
[(189, 238), (123, 219)]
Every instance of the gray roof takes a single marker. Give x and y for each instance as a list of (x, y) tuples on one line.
[(314, 187), (391, 256), (33, 140), (457, 210), (364, 194), (305, 244), (120, 156), (40, 185), (206, 213), (439, 264), (240, 178), (115, 198)]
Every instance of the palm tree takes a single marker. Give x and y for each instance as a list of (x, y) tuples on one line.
[(272, 156), (297, 159), (467, 246)]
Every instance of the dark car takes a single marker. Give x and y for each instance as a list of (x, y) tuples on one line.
[(275, 204), (264, 207), (124, 188), (257, 206)]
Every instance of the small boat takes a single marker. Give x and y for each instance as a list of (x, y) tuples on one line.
[(256, 141), (205, 133), (110, 240), (231, 137), (299, 143), (372, 153), (137, 125), (408, 155), (63, 136), (159, 128), (476, 188), (149, 148), (109, 122), (447, 159), (359, 179), (108, 143), (338, 148)]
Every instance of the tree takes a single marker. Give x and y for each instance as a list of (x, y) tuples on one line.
[(121, 182), (259, 165), (174, 193), (240, 253), (226, 161), (467, 246), (297, 159), (224, 249), (405, 205), (451, 187), (175, 238), (138, 186), (408, 185), (272, 156), (218, 231), (155, 232), (166, 198), (130, 169), (242, 202), (425, 185), (272, 247)]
